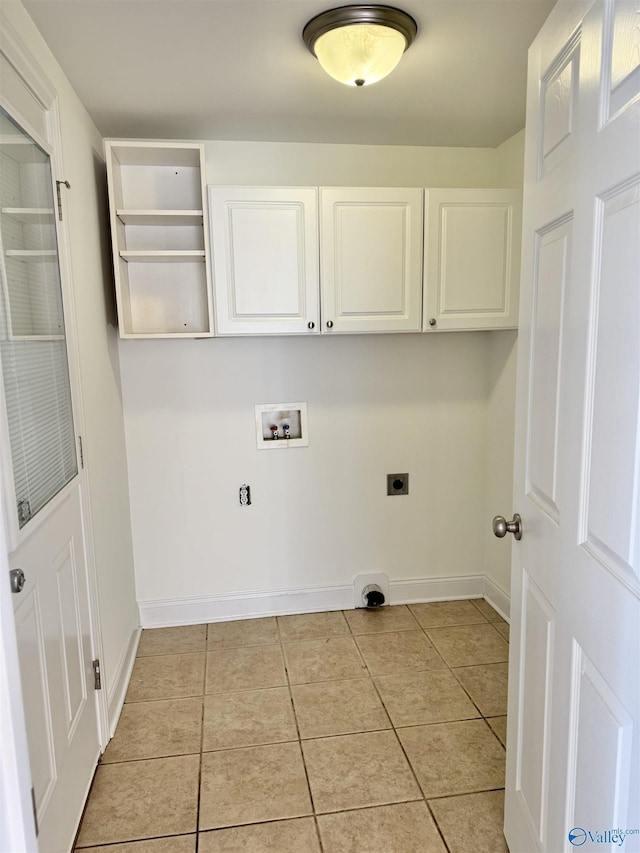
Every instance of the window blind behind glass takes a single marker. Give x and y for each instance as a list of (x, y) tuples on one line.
[(32, 343), (39, 413)]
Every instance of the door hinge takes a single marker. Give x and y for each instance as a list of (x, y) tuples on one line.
[(81, 450), (33, 806), (58, 185), (24, 511), (97, 679)]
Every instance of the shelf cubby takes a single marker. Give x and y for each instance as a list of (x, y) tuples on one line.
[(159, 235)]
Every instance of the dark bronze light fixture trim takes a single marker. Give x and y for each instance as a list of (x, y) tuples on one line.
[(366, 13)]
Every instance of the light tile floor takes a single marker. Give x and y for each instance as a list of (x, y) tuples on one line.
[(357, 732)]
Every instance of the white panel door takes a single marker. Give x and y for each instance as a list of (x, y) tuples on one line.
[(472, 259), (371, 259), (43, 492), (265, 256), (573, 744), (54, 647)]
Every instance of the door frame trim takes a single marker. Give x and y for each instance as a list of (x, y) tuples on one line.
[(18, 832)]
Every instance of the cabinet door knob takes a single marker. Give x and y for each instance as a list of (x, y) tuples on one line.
[(311, 325), (432, 321), (329, 324)]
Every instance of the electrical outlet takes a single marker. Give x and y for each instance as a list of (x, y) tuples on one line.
[(397, 484), (245, 495)]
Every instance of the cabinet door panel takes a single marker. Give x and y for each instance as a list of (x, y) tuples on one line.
[(265, 252), (472, 259), (371, 266)]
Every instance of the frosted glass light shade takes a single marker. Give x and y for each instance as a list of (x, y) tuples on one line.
[(359, 45), (360, 54)]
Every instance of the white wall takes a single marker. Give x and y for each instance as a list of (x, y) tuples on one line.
[(510, 161), (85, 204), (377, 405), (503, 350), (320, 515), (308, 164)]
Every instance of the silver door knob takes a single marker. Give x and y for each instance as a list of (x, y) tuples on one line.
[(432, 321), (501, 526), (311, 325), (17, 580), (329, 324)]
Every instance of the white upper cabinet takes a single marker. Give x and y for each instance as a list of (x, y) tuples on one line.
[(472, 259), (265, 259), (159, 236), (371, 259)]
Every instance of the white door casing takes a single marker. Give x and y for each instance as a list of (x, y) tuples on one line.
[(17, 827), (56, 615), (573, 756)]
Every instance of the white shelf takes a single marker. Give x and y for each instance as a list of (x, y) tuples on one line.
[(37, 255), (170, 257), (160, 217), (21, 149), (30, 215), (36, 337)]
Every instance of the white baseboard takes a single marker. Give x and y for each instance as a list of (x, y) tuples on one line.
[(118, 687), (420, 590), (250, 605), (497, 598), (243, 605)]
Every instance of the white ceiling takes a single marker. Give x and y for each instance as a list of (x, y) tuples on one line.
[(237, 69)]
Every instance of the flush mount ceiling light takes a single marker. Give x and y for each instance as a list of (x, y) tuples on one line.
[(359, 45)]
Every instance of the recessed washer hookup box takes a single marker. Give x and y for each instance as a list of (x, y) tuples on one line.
[(281, 425)]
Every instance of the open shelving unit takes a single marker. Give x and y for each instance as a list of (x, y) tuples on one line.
[(159, 234)]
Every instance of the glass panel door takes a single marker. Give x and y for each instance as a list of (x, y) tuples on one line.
[(33, 347)]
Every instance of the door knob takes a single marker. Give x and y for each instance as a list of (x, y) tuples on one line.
[(329, 324), (17, 580), (501, 526)]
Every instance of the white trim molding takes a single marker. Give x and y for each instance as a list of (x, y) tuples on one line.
[(162, 613), (418, 590), (244, 605), (119, 683), (497, 598)]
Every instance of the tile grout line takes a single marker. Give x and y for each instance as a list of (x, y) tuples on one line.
[(482, 714), (131, 841), (395, 731), (473, 702), (413, 772), (204, 695), (299, 742), (437, 825)]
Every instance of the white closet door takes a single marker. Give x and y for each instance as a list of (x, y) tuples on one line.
[(265, 258), (371, 259), (43, 490), (573, 746)]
